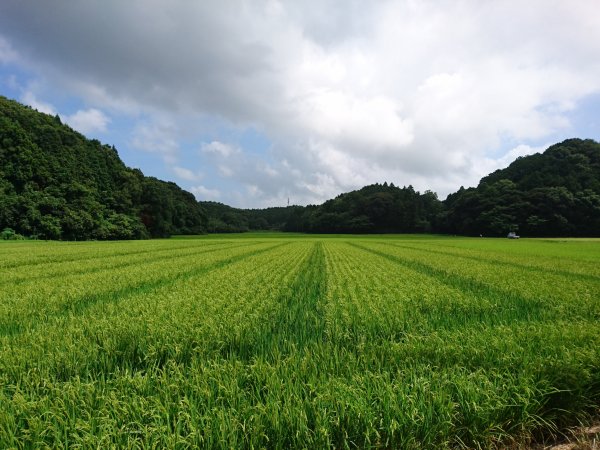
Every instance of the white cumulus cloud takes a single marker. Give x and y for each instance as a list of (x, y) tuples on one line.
[(186, 174), (203, 193), (156, 138), (29, 98), (219, 149), (88, 121)]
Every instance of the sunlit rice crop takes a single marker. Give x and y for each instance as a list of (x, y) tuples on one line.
[(284, 341)]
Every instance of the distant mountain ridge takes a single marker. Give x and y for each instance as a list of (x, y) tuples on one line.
[(56, 184)]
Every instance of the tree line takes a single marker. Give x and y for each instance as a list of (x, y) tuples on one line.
[(556, 193), (56, 184)]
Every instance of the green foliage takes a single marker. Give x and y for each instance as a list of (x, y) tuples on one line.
[(225, 219), (556, 193), (8, 234), (379, 208), (296, 341), (56, 184)]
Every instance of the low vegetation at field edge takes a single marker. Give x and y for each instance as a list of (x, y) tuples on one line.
[(283, 341)]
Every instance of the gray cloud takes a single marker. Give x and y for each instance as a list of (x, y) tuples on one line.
[(422, 93)]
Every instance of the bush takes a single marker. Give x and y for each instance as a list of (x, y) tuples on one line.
[(8, 234)]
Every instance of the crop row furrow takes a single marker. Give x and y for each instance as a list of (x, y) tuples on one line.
[(71, 298), (111, 263), (74, 254), (297, 321), (170, 323), (505, 303), (502, 260)]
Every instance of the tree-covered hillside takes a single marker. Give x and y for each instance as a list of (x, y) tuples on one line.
[(556, 193), (56, 184), (226, 219), (378, 208)]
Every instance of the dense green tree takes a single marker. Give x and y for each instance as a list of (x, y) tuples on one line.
[(56, 184), (378, 208), (556, 193)]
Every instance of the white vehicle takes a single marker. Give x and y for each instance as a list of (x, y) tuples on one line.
[(513, 235)]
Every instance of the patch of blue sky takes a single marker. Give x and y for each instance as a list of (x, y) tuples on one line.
[(10, 80), (582, 121), (585, 119), (248, 143)]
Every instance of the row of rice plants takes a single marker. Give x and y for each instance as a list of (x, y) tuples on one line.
[(538, 326), (33, 253), (313, 343), (566, 258), (77, 370), (561, 294), (26, 272), (29, 304)]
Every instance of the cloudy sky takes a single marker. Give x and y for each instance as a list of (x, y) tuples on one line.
[(252, 102)]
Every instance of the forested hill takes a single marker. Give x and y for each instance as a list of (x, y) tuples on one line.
[(555, 193), (226, 219), (56, 184), (378, 208)]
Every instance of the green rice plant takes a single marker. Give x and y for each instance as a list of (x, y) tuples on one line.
[(295, 341)]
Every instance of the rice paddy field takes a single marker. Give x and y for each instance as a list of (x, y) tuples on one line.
[(294, 341)]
